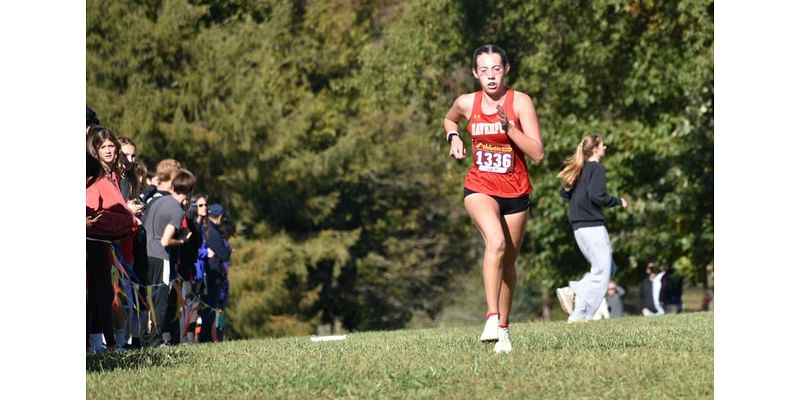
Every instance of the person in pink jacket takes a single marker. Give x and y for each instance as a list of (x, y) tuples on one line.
[(111, 220)]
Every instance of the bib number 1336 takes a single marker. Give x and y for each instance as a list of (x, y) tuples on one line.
[(499, 163)]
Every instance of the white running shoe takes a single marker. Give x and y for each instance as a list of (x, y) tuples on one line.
[(602, 311), (578, 312), (490, 333), (565, 297), (503, 344)]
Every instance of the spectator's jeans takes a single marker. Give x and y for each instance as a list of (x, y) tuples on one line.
[(590, 290)]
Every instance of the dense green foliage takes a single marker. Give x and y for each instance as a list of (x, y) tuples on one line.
[(670, 357), (318, 124)]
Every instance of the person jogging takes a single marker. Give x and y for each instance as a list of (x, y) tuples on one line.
[(504, 128), (583, 184)]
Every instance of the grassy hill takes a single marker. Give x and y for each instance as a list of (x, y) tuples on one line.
[(633, 357)]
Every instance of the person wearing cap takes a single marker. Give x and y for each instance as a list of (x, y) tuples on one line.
[(218, 255)]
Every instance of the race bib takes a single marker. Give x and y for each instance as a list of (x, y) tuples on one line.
[(498, 159)]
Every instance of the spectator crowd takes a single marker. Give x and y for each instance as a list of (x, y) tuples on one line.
[(157, 253)]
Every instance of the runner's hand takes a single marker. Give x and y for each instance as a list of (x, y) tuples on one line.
[(457, 148), (507, 125)]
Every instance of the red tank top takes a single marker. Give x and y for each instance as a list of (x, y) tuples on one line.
[(498, 165)]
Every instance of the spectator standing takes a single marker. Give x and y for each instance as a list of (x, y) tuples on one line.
[(192, 281), (149, 184), (674, 293), (647, 298), (129, 182), (218, 255), (163, 228), (614, 298), (165, 172), (708, 297), (660, 289), (195, 220), (228, 230), (112, 221)]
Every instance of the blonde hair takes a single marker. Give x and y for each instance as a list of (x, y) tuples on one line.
[(574, 164), (166, 169)]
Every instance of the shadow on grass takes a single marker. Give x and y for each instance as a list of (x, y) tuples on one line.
[(135, 359)]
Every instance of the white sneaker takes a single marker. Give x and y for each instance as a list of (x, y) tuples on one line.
[(490, 329), (575, 320), (565, 299), (602, 311), (578, 312), (503, 344)]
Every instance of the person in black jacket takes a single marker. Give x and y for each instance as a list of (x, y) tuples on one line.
[(218, 255), (583, 184)]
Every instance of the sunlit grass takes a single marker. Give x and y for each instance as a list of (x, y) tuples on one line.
[(632, 357)]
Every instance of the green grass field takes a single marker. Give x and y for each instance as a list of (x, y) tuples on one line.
[(628, 358)]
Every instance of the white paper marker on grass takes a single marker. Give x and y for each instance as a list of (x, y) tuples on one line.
[(327, 338)]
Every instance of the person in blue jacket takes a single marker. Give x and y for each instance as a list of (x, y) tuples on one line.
[(218, 255)]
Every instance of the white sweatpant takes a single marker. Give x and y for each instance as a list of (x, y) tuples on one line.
[(590, 290)]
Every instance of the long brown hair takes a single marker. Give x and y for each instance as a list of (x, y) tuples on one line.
[(97, 135), (130, 171), (573, 165)]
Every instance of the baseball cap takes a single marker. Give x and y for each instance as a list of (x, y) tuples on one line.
[(216, 209)]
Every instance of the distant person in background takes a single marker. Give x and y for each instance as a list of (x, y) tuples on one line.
[(189, 269), (674, 293), (504, 129), (647, 298), (583, 185), (614, 298), (195, 220), (218, 255), (228, 230), (707, 298), (149, 185), (141, 173), (660, 289)]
